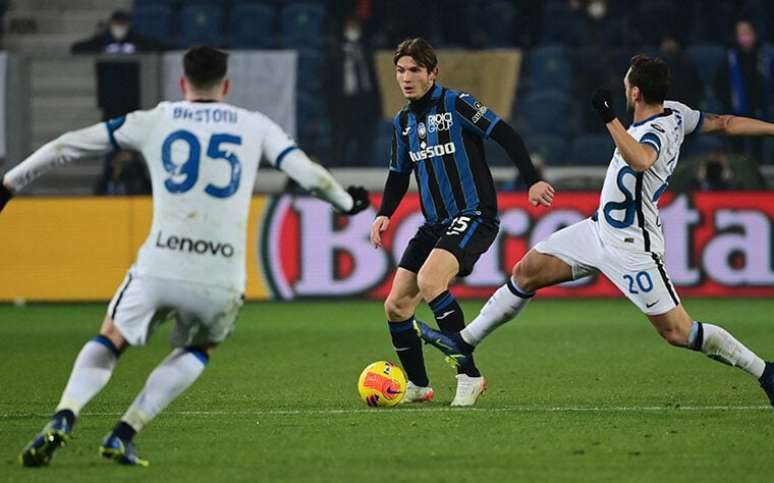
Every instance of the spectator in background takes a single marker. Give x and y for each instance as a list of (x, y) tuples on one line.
[(118, 38), (118, 92), (744, 84), (686, 83), (354, 98), (715, 174)]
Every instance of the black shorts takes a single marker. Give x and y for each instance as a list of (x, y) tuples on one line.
[(465, 237)]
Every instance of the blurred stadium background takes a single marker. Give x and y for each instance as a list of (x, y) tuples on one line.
[(322, 69), (581, 390)]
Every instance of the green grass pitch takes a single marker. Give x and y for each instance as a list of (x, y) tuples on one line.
[(579, 391)]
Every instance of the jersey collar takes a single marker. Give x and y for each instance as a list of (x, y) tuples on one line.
[(667, 112), (424, 102)]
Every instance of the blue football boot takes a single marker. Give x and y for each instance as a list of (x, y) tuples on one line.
[(767, 381), (40, 450), (114, 448), (457, 351)]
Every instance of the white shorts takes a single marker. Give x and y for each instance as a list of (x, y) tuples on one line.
[(203, 314), (638, 274)]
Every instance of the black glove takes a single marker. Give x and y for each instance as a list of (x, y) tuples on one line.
[(5, 195), (603, 105), (360, 199)]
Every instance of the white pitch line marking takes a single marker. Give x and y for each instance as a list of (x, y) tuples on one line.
[(506, 409)]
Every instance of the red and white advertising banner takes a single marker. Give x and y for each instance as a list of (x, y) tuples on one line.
[(718, 244)]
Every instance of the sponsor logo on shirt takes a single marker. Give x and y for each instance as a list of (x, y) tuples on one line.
[(430, 151), (198, 247), (439, 122)]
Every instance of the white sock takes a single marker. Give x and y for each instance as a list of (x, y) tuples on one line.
[(167, 381), (91, 371), (718, 344), (504, 305)]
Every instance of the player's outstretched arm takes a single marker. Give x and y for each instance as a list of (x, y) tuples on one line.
[(540, 192), (72, 145), (730, 125), (638, 156), (319, 182)]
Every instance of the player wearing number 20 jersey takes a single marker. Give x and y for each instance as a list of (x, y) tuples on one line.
[(628, 206), (623, 239), (203, 156)]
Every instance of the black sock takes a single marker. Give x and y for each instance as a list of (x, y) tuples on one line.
[(124, 431), (67, 415), (409, 349), (449, 317)]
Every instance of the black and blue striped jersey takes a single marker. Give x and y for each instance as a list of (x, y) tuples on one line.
[(440, 138)]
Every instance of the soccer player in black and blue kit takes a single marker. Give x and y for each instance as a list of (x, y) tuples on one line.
[(439, 137)]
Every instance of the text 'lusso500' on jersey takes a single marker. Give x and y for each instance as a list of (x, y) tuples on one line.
[(431, 151), (205, 114), (199, 247)]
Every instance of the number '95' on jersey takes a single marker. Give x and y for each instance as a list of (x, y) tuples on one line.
[(202, 158)]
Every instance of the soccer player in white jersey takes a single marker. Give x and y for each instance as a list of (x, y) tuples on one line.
[(203, 156), (623, 239)]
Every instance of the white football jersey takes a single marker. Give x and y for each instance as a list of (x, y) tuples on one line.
[(202, 158), (628, 206)]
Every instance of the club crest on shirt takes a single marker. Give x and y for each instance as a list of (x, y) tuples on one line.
[(421, 130)]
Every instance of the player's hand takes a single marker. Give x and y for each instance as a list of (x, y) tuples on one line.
[(360, 199), (603, 104), (380, 224), (5, 195), (541, 193)]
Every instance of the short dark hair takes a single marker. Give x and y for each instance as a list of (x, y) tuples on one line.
[(205, 66), (418, 49), (652, 76)]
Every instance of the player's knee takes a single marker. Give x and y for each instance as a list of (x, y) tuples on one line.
[(396, 309), (430, 287), (523, 276), (111, 332)]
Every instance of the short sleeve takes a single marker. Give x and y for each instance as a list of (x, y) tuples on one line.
[(276, 142), (399, 152), (475, 116), (130, 131), (692, 119), (654, 137)]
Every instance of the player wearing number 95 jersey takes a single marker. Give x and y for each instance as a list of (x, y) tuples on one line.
[(623, 239), (203, 156)]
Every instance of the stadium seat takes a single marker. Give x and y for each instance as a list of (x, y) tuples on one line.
[(550, 147), (707, 58), (154, 22), (302, 26), (558, 24), (496, 34), (310, 71), (313, 129), (548, 67), (157, 3), (701, 145), (201, 24), (591, 150), (544, 112), (380, 150), (252, 26)]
